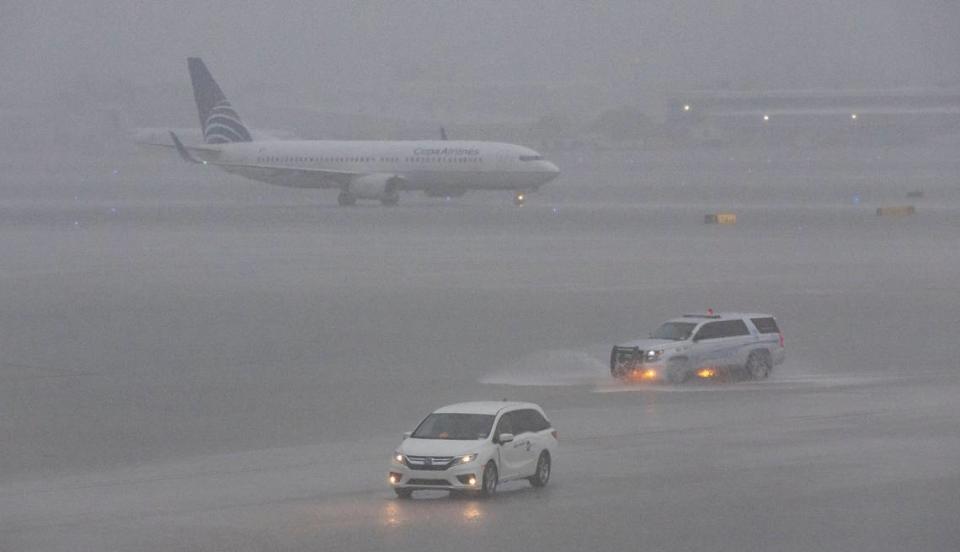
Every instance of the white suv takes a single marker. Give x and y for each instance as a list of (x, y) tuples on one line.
[(704, 346), (473, 446)]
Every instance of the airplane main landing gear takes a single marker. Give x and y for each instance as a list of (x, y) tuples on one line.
[(346, 199)]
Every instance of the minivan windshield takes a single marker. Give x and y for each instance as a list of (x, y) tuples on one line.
[(676, 331), (458, 427)]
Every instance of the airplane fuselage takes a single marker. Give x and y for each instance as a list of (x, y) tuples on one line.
[(422, 165)]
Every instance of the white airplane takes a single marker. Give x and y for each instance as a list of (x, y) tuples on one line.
[(376, 170)]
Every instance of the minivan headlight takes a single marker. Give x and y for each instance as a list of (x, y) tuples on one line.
[(467, 458), (397, 457), (654, 355)]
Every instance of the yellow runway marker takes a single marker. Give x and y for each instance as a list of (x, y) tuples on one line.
[(899, 211), (721, 218)]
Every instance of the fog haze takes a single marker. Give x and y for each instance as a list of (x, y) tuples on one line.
[(190, 360), (304, 52)]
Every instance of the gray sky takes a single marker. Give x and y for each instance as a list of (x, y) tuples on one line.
[(310, 47)]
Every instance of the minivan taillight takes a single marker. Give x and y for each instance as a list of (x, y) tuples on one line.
[(554, 433), (781, 339)]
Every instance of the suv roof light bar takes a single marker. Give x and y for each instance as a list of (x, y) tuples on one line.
[(701, 316)]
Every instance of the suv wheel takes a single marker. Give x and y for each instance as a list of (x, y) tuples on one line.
[(490, 479), (542, 475), (758, 364)]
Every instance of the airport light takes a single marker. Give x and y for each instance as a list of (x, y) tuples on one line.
[(766, 117), (686, 107), (853, 116)]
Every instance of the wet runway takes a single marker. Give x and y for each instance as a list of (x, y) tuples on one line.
[(193, 361)]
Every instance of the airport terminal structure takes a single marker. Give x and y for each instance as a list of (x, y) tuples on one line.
[(811, 116)]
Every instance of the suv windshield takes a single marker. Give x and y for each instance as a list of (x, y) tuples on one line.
[(677, 331), (458, 427)]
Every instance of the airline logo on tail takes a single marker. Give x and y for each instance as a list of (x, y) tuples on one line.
[(220, 123)]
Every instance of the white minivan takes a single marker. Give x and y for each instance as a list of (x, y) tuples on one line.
[(473, 446)]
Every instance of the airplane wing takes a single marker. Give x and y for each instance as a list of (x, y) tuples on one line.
[(297, 177), (304, 177), (185, 153)]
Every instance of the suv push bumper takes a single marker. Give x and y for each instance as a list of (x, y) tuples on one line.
[(646, 371)]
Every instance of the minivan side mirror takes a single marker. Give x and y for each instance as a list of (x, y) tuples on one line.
[(407, 434), (504, 438)]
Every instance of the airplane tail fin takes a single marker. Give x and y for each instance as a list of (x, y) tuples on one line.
[(218, 120)]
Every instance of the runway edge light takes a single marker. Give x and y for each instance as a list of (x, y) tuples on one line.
[(720, 218)]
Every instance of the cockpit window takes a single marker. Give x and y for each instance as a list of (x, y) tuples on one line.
[(531, 157)]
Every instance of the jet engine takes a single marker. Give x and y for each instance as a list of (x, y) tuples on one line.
[(376, 186)]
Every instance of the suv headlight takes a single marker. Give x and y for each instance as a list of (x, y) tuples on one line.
[(654, 355), (467, 458), (397, 457)]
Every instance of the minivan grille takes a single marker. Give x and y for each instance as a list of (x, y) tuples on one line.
[(429, 462), (437, 482)]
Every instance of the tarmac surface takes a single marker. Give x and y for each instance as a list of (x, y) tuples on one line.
[(193, 361)]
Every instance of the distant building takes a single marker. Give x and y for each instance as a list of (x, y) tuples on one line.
[(810, 116)]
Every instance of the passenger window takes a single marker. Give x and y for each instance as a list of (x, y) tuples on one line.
[(506, 424), (725, 328), (710, 330), (521, 421), (737, 327), (534, 421), (733, 328)]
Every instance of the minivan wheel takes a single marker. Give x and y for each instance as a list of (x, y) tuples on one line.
[(542, 476), (490, 479), (758, 365), (403, 493)]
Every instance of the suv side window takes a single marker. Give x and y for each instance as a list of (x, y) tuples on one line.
[(723, 328), (710, 330), (732, 328), (765, 325)]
